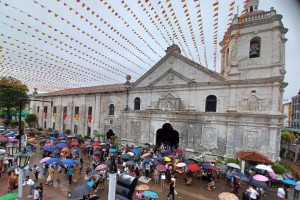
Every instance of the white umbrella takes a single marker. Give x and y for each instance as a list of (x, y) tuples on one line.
[(181, 164), (131, 153), (233, 165), (264, 167)]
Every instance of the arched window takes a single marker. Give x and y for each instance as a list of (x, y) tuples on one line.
[(211, 103), (111, 109), (137, 103), (254, 50)]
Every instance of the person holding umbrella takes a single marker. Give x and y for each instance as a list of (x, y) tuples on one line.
[(253, 194), (70, 174), (172, 188)]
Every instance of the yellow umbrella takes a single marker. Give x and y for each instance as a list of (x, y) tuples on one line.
[(167, 159), (31, 139), (142, 187), (227, 196)]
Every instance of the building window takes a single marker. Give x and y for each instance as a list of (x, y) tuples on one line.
[(53, 126), (89, 130), (64, 127), (75, 129), (254, 51), (211, 103), (45, 125), (45, 112), (111, 109), (65, 110), (76, 115), (90, 112), (137, 103), (227, 57), (38, 109)]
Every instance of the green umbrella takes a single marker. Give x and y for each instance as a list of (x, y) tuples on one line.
[(9, 196)]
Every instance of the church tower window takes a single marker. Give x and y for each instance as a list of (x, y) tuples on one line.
[(227, 57), (211, 103), (137, 103), (111, 109), (254, 51)]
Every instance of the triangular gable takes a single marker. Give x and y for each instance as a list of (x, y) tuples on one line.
[(169, 78), (170, 61)]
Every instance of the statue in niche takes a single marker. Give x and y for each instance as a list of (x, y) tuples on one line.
[(168, 105), (249, 140), (136, 129), (252, 103)]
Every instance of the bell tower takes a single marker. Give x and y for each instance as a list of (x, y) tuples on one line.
[(254, 45)]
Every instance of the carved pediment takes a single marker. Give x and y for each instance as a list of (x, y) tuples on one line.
[(170, 77), (169, 103)]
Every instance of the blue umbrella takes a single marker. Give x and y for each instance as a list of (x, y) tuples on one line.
[(205, 166), (136, 150), (113, 150), (49, 148), (63, 141), (87, 143), (90, 183), (53, 138), (61, 145), (150, 194), (125, 156), (289, 182), (62, 135), (239, 176), (75, 150), (69, 162), (159, 158), (52, 161)]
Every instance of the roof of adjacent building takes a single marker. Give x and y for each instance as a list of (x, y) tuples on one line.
[(253, 157)]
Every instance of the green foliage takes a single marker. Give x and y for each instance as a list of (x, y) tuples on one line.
[(67, 131), (232, 160), (31, 119), (86, 137), (39, 129), (11, 90), (287, 136), (14, 123), (7, 122), (279, 168)]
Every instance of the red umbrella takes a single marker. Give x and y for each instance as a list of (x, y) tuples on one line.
[(96, 158), (161, 168), (74, 144), (96, 143), (97, 147), (213, 168), (193, 167)]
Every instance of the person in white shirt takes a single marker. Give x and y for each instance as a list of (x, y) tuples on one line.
[(280, 193), (253, 194), (297, 190), (36, 193), (28, 181)]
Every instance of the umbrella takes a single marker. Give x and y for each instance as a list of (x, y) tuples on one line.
[(287, 176), (61, 145), (102, 144), (136, 150), (108, 162), (69, 162), (227, 196), (112, 150), (187, 162), (150, 194), (264, 167), (161, 168), (12, 168), (131, 153), (74, 150), (53, 138), (181, 164), (142, 187), (9, 196), (97, 152), (74, 144), (273, 175), (81, 191), (193, 167), (259, 177), (130, 162), (213, 168), (87, 142), (94, 197), (12, 140), (62, 135), (136, 158), (205, 166), (145, 155), (167, 159), (289, 182), (45, 159), (233, 165), (63, 141), (52, 161), (159, 158), (239, 176), (96, 143), (96, 158), (93, 173), (66, 150), (172, 156), (49, 148), (180, 148), (125, 156), (195, 161), (100, 167), (258, 184)]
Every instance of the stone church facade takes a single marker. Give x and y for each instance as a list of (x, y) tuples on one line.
[(237, 109)]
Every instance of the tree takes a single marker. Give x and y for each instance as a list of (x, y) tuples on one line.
[(31, 120), (11, 90)]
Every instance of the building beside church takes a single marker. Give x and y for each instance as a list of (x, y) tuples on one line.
[(222, 113)]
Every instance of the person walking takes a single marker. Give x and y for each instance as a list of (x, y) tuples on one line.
[(297, 190), (51, 175), (36, 170), (41, 191), (36, 193), (156, 177), (12, 182), (253, 194), (172, 188), (76, 173), (28, 181), (70, 174)]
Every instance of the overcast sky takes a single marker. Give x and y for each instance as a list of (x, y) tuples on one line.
[(61, 44)]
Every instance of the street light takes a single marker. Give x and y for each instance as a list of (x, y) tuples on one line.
[(12, 149), (22, 161)]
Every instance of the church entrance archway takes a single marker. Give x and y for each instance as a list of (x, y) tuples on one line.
[(167, 135)]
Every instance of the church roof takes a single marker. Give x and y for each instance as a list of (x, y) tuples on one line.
[(253, 157)]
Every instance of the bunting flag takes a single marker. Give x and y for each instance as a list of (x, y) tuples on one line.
[(215, 38), (76, 117), (64, 116), (90, 118)]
